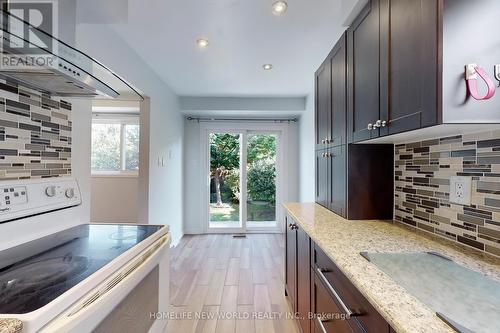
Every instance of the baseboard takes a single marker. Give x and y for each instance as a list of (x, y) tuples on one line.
[(194, 232), (176, 241)]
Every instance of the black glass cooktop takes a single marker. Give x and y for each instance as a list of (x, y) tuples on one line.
[(35, 273)]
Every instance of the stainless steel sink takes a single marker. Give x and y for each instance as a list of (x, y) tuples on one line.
[(466, 300)]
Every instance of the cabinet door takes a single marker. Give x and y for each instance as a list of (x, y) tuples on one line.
[(303, 280), (339, 89), (322, 177), (291, 262), (338, 176), (323, 105), (364, 67), (413, 34)]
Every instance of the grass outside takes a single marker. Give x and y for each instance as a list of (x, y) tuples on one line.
[(231, 212)]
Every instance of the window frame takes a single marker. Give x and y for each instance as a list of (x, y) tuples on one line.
[(123, 120)]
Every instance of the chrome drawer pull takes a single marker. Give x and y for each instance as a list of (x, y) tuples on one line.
[(320, 321), (332, 290)]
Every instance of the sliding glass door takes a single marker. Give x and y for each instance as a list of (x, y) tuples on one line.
[(243, 168), (225, 179), (261, 180)]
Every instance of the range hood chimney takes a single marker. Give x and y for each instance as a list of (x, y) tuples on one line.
[(58, 69)]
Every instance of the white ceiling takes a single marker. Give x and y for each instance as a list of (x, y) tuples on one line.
[(243, 35)]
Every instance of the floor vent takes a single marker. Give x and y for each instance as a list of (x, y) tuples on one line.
[(240, 236)]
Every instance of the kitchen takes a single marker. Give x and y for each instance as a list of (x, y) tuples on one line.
[(230, 179)]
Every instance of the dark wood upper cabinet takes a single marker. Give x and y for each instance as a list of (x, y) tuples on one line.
[(393, 67), (322, 177), (338, 66), (364, 78), (331, 98), (406, 65), (323, 105), (410, 41), (338, 177)]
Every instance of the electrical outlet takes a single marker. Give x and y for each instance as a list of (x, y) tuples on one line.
[(460, 190)]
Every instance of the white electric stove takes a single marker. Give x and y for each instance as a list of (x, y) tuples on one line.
[(61, 274)]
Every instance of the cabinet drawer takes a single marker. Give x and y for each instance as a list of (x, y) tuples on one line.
[(364, 313), (328, 316)]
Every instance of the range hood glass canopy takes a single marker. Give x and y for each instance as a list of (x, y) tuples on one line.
[(43, 62)]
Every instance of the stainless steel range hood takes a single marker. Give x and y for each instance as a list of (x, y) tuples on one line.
[(46, 64)]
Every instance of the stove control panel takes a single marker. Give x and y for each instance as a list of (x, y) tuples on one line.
[(19, 199), (13, 195)]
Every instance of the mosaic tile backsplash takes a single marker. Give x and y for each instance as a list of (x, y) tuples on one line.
[(35, 134), (422, 187)]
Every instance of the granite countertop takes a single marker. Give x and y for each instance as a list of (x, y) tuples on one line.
[(343, 240), (9, 325)]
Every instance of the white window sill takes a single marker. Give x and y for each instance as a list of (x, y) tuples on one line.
[(114, 174)]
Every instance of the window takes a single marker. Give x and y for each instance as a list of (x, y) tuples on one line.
[(115, 144)]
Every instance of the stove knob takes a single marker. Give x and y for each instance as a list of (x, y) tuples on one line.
[(50, 191), (70, 193)]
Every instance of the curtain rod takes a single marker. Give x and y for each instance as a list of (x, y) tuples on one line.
[(274, 120)]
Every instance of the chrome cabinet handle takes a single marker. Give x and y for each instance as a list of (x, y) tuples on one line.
[(378, 123), (320, 322), (370, 126), (334, 292), (384, 123)]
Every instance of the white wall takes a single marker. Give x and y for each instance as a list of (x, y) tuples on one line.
[(195, 183), (306, 149), (166, 121), (114, 199), (80, 152)]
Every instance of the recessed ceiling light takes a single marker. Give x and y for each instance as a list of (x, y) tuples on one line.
[(202, 43), (267, 67), (279, 7)]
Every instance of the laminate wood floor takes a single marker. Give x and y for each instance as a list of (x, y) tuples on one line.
[(229, 285)]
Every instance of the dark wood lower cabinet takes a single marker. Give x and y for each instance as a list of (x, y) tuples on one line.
[(291, 261), (320, 293), (303, 280), (328, 316), (346, 296), (298, 282)]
